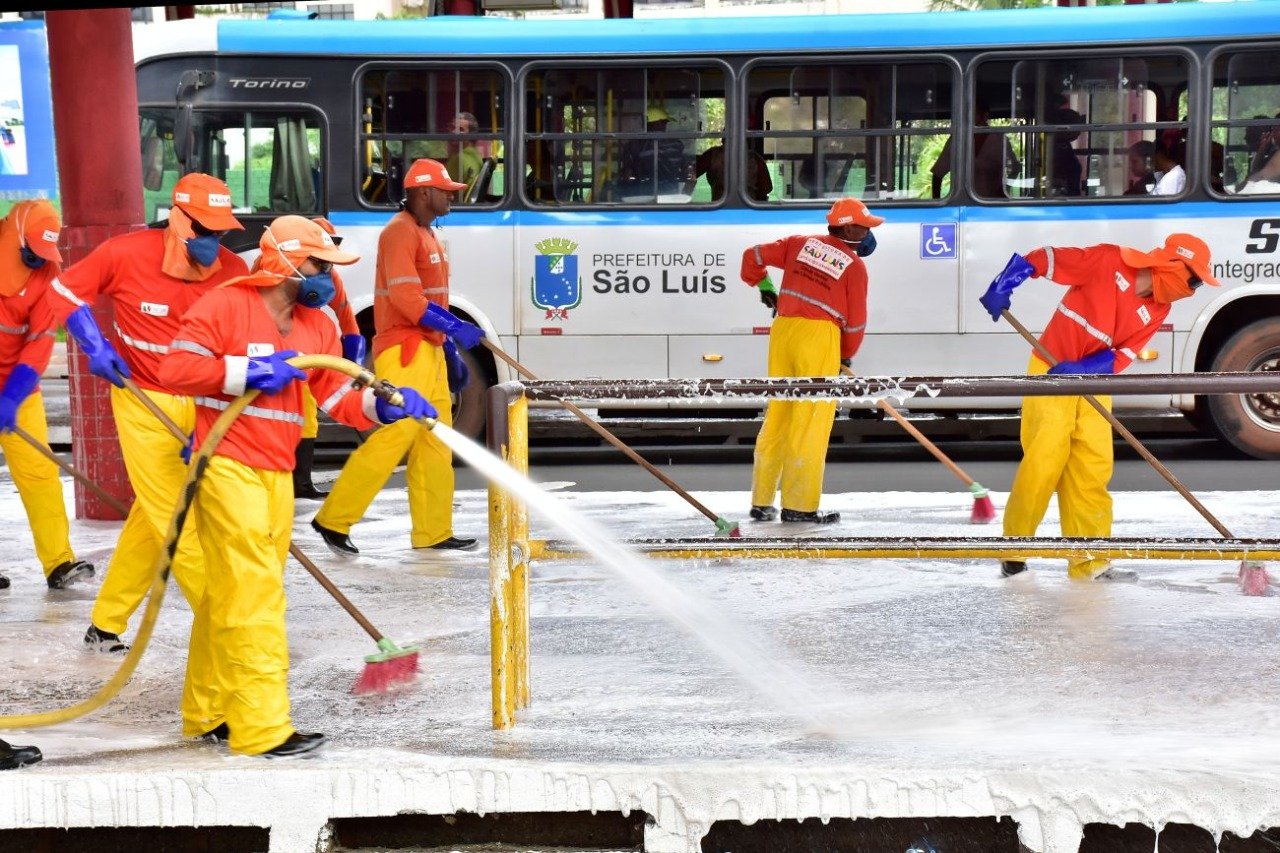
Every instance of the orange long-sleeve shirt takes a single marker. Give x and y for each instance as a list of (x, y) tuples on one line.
[(1102, 309), (822, 279), (27, 325), (413, 270), (149, 303), (208, 358)]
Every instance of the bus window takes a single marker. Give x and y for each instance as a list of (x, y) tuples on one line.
[(270, 161), (624, 135), (1246, 122), (456, 116), (1081, 127), (869, 131)]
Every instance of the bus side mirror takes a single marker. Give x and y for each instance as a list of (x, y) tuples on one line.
[(182, 137), (152, 163)]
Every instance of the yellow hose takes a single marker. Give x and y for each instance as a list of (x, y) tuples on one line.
[(200, 461)]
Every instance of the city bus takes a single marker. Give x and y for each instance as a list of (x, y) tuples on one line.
[(617, 169)]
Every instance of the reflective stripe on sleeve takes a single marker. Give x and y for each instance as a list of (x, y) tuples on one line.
[(14, 330), (404, 279), (853, 330), (1073, 316), (836, 315), (65, 292), (37, 335), (1048, 253), (145, 346), (1130, 354), (191, 346), (344, 390)]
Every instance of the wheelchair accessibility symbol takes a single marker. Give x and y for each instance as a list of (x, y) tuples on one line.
[(938, 241)]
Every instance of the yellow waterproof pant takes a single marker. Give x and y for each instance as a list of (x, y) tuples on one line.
[(1067, 449), (152, 456), (39, 485), (791, 449), (310, 414), (249, 513), (430, 468)]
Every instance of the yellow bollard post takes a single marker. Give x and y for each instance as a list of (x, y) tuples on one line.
[(518, 535), (504, 712)]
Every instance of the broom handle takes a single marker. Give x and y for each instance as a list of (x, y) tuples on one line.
[(928, 445), (293, 548), (606, 435), (111, 500), (1048, 358)]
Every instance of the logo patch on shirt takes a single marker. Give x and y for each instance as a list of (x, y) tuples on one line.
[(155, 309), (257, 350), (435, 257), (824, 257), (1143, 314), (1122, 282)]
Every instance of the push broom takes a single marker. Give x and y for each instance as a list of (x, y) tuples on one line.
[(1252, 577), (724, 527), (983, 511), (392, 665)]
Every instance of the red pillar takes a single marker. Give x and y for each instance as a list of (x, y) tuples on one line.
[(619, 9), (95, 117)]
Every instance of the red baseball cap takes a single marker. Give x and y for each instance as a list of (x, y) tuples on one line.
[(851, 211), (430, 173), (207, 200)]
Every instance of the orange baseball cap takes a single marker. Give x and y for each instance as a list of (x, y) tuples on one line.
[(1187, 248), (851, 211), (328, 229), (39, 225), (298, 238), (430, 173), (207, 200)]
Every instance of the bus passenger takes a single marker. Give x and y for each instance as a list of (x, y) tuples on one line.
[(993, 159), (415, 344), (1264, 167), (235, 338), (152, 276), (28, 262), (712, 164), (654, 166), (1144, 177), (1117, 298), (822, 313), (1066, 175), (1168, 162)]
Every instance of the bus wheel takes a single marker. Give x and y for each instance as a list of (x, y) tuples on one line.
[(469, 413), (1248, 422)]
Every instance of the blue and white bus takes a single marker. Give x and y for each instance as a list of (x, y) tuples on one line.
[(617, 169)]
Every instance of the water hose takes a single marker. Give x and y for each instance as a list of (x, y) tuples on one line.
[(195, 471)]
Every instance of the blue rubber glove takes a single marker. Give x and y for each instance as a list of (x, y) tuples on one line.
[(104, 361), (272, 374), (455, 368), (185, 452), (1102, 361), (997, 297), (414, 407), (354, 348), (466, 334), (21, 382)]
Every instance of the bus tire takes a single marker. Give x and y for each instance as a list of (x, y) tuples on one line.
[(470, 415), (1248, 422)]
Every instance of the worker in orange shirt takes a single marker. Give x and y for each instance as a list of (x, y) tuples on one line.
[(1117, 298), (416, 344), (353, 349), (821, 315), (28, 262), (152, 277), (239, 337)]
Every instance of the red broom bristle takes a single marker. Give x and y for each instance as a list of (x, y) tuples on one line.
[(382, 676), (984, 511), (1253, 579)]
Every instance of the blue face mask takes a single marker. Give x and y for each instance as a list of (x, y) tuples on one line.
[(317, 290), (204, 249), (867, 246), (31, 259)]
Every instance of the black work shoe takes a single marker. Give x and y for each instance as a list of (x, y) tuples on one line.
[(815, 517), (100, 641), (1009, 568), (339, 543), (308, 492), (303, 455), (4, 582), (764, 513), (13, 757), (297, 744), (455, 543), (65, 574), (220, 734)]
